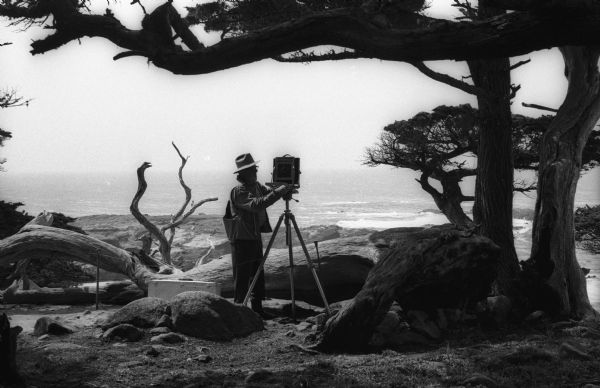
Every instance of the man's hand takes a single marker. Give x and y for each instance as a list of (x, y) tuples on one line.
[(284, 189)]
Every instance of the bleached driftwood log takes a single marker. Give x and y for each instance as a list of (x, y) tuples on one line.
[(344, 266)]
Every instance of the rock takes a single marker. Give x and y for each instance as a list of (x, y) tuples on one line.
[(499, 308), (259, 378), (152, 351), (479, 379), (43, 337), (303, 326), (535, 317), (344, 265), (211, 317), (204, 358), (145, 312), (164, 321), (124, 331), (419, 321), (573, 350), (168, 338), (160, 330), (47, 325)]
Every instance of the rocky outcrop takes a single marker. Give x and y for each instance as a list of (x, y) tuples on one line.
[(211, 317)]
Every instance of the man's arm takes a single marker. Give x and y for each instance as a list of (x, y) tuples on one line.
[(244, 199)]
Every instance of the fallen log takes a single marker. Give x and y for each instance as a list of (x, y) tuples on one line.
[(342, 269), (117, 292), (344, 263), (8, 351), (446, 271)]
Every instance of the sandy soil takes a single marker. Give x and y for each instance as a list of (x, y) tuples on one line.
[(532, 356)]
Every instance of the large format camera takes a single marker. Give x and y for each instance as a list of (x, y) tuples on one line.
[(286, 169)]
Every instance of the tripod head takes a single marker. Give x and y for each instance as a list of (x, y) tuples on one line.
[(289, 197)]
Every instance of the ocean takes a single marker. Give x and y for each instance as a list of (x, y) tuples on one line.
[(379, 197), (367, 197)]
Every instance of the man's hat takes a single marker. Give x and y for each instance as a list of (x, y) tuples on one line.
[(244, 161)]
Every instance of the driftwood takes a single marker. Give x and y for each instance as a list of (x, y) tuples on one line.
[(164, 242), (434, 272), (344, 266), (118, 292), (8, 351)]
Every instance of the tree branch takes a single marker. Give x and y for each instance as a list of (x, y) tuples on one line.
[(448, 80), (519, 64), (511, 34), (540, 107), (163, 244), (302, 57)]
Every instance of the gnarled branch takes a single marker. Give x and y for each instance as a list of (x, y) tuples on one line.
[(506, 35)]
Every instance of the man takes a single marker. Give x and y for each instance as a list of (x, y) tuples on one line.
[(249, 201)]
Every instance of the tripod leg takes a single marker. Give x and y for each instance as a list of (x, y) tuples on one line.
[(262, 263), (310, 264), (291, 257)]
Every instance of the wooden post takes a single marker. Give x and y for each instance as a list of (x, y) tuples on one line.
[(97, 278)]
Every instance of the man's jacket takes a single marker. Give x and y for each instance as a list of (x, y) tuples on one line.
[(250, 202)]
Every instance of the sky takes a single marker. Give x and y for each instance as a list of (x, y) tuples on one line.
[(91, 114)]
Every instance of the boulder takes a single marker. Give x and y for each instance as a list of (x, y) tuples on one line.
[(47, 325), (145, 312), (343, 267), (125, 331), (211, 317)]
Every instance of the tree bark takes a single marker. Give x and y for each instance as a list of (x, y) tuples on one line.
[(429, 273), (553, 246)]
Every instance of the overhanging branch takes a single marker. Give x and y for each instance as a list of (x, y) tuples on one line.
[(507, 35)]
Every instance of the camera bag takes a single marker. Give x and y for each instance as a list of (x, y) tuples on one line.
[(230, 222)]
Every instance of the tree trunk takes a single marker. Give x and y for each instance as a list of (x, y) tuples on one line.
[(492, 210), (553, 246), (449, 200), (8, 351), (428, 273)]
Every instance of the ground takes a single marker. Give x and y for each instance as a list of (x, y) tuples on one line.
[(537, 355)]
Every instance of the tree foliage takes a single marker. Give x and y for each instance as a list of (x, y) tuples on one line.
[(438, 143)]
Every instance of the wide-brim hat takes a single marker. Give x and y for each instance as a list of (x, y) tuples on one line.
[(244, 161)]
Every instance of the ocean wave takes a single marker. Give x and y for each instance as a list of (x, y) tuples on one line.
[(418, 220), (345, 203)]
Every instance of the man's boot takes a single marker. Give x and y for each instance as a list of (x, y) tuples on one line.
[(256, 305)]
